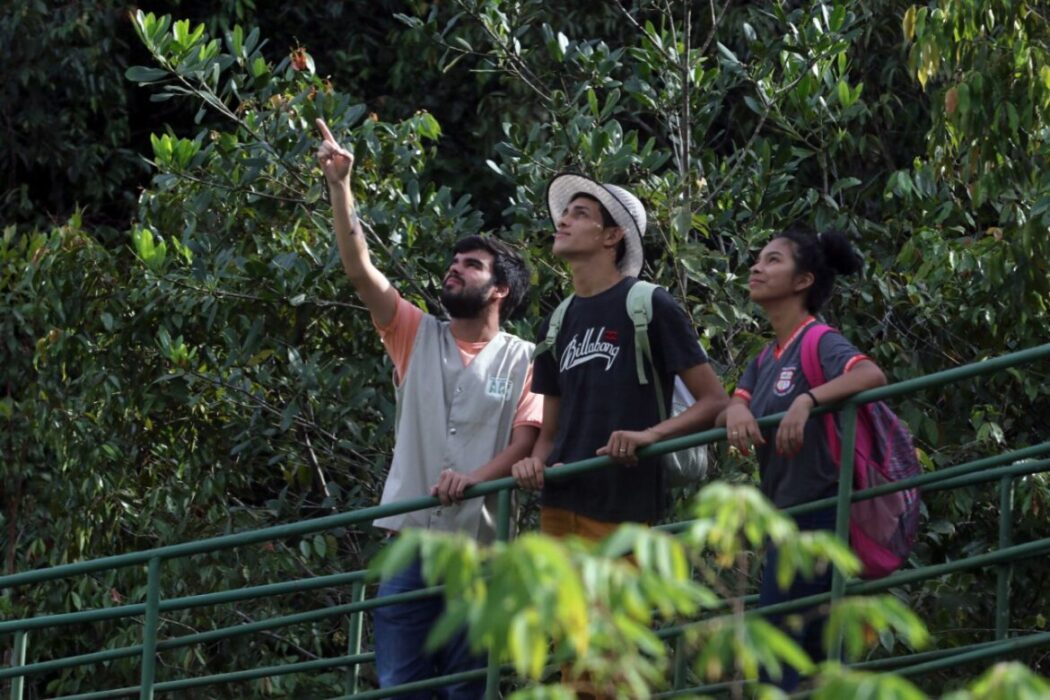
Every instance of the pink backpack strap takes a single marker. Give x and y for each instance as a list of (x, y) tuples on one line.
[(811, 366), (814, 373)]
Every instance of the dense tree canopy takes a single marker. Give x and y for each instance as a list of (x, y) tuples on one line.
[(182, 356)]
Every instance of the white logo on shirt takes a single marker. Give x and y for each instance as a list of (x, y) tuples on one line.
[(591, 347), (785, 382), (498, 387)]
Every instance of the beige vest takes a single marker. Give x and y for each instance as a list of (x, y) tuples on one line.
[(451, 417)]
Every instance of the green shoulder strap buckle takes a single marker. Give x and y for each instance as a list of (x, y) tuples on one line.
[(550, 342)]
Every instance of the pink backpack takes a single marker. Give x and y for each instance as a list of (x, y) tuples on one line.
[(882, 529)]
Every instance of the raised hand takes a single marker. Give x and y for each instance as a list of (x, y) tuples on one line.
[(335, 161)]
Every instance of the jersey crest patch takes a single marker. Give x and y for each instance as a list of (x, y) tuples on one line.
[(786, 381)]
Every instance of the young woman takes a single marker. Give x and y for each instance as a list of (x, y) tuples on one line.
[(791, 280)]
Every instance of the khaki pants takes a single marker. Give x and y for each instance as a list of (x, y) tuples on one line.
[(560, 523)]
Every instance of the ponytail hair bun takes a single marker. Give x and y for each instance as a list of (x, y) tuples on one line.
[(823, 255), (839, 253)]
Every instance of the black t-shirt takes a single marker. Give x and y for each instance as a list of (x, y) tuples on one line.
[(595, 375), (771, 388)]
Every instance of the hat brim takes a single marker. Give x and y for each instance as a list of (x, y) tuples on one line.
[(559, 193)]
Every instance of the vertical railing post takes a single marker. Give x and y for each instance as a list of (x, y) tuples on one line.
[(353, 637), (680, 660), (1004, 571), (681, 652), (502, 534), (149, 632), (842, 506), (18, 658)]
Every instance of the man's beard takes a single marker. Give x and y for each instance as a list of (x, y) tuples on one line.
[(465, 303)]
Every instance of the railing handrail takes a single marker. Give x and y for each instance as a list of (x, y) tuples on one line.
[(985, 469), (1001, 466), (239, 539)]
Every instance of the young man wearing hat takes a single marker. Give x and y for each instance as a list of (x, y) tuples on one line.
[(593, 401), (465, 415)]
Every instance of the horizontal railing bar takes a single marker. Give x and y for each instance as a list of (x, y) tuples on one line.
[(82, 617), (418, 685), (215, 544), (978, 652), (859, 586), (976, 561), (853, 587), (939, 480), (175, 604), (900, 578), (231, 677), (856, 586), (924, 481), (951, 376), (101, 694), (184, 603), (941, 657), (934, 481), (955, 374), (891, 662), (711, 688), (221, 633), (1015, 470), (275, 670), (998, 648), (95, 657)]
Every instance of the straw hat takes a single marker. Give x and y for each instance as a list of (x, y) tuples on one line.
[(624, 207)]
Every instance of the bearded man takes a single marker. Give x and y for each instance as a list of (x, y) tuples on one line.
[(466, 414)]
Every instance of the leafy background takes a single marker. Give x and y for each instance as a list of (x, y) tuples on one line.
[(183, 357)]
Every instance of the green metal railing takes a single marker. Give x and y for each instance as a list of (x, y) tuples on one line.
[(1002, 469)]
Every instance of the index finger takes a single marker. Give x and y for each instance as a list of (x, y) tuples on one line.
[(324, 130)]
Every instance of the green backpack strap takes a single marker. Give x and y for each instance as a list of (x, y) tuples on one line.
[(550, 342), (640, 310)]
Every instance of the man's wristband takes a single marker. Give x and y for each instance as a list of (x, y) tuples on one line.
[(812, 398)]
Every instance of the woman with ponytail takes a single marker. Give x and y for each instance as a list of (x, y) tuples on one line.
[(791, 280)]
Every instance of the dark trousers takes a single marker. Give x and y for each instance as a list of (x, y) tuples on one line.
[(810, 635), (401, 631)]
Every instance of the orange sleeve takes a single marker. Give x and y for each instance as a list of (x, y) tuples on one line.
[(530, 405), (399, 335), (853, 362)]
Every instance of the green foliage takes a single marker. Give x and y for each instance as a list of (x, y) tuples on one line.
[(837, 682), (207, 369), (210, 375), (1005, 680), (860, 621), (583, 599), (596, 603), (65, 113)]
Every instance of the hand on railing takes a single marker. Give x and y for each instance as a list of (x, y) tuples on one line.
[(793, 426), (742, 429), (623, 445), (451, 485), (528, 473)]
